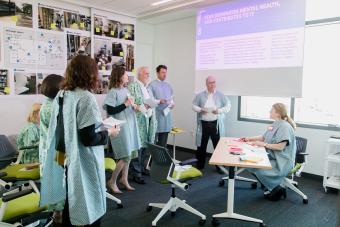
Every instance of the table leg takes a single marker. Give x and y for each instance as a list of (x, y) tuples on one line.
[(230, 208), (174, 146)]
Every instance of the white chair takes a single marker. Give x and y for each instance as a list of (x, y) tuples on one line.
[(162, 171)]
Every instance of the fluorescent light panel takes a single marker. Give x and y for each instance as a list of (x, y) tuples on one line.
[(160, 2)]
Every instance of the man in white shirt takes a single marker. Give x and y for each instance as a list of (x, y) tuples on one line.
[(211, 107)]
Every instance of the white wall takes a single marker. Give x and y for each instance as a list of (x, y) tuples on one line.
[(175, 47)]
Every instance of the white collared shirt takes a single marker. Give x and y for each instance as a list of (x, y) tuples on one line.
[(210, 105), (145, 92), (146, 95)]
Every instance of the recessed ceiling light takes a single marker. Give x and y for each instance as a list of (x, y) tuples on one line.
[(160, 2)]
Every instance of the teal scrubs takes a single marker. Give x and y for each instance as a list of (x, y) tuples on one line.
[(86, 170), (282, 161), (29, 137), (162, 90), (221, 101), (45, 117), (127, 143)]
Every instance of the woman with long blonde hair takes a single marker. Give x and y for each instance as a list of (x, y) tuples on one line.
[(280, 143)]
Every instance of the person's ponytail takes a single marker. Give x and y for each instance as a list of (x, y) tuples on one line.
[(281, 109), (291, 122)]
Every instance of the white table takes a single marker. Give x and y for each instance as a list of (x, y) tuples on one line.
[(223, 157)]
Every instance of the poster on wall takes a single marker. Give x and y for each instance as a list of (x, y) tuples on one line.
[(127, 32), (103, 83), (19, 48), (51, 51), (77, 21), (25, 83), (78, 45), (50, 18), (4, 82), (16, 13), (105, 27)]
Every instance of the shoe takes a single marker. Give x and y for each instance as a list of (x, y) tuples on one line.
[(111, 189), (275, 194), (146, 173), (138, 180), (218, 170)]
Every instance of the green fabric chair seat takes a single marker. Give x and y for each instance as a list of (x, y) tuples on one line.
[(188, 174), (296, 168), (22, 206), (18, 171), (110, 164)]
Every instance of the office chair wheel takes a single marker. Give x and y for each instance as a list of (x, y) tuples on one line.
[(262, 225), (221, 183), (305, 201), (173, 213), (215, 222), (254, 185), (149, 208), (119, 206), (202, 222)]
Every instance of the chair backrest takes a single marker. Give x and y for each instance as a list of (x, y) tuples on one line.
[(6, 151), (301, 147), (160, 164)]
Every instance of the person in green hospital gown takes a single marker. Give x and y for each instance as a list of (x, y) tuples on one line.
[(146, 120), (28, 138), (280, 143), (49, 88), (80, 179), (120, 105)]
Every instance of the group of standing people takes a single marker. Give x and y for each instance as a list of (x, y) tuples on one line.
[(71, 139)]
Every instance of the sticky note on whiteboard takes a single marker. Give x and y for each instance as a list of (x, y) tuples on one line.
[(121, 54), (126, 36), (53, 25), (112, 33), (7, 90), (97, 29), (14, 18), (82, 24)]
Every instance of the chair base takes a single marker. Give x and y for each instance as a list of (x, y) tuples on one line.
[(172, 205), (239, 178), (288, 183), (116, 200)]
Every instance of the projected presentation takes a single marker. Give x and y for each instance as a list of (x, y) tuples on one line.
[(259, 41)]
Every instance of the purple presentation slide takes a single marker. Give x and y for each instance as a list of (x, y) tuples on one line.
[(243, 17), (244, 34)]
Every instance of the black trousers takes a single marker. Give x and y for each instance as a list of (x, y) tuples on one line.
[(162, 139), (137, 165), (209, 131)]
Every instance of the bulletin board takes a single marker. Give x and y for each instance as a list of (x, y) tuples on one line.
[(40, 38)]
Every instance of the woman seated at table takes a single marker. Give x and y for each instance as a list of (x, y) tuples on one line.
[(279, 141)]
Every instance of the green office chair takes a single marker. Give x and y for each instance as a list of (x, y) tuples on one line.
[(165, 171), (19, 206), (300, 162)]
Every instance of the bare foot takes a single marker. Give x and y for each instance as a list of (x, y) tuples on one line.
[(126, 185), (113, 188)]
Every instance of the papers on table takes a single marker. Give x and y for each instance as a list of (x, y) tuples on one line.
[(151, 102), (251, 158), (112, 122)]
